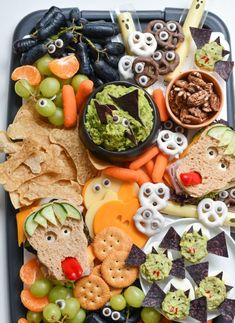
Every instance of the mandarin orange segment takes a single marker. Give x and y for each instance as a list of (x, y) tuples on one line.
[(30, 271), (27, 72), (32, 303), (22, 320), (64, 67)]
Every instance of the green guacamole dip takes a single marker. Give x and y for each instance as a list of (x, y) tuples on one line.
[(208, 55), (156, 267), (176, 305), (215, 291), (193, 246), (111, 136)]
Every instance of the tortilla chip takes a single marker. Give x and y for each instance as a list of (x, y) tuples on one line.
[(136, 257), (198, 272), (224, 69), (66, 190), (201, 36), (97, 163), (178, 269), (6, 145), (171, 240), (198, 309), (70, 141), (154, 297), (217, 245), (227, 310), (28, 123)]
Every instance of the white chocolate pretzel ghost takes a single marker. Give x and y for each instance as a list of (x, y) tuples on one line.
[(212, 213), (142, 44), (154, 195), (125, 67), (148, 220), (172, 143)]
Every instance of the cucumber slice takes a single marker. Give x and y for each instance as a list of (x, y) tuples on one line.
[(30, 225), (48, 213), (72, 212), (217, 132), (60, 212), (230, 150), (39, 219), (226, 138)]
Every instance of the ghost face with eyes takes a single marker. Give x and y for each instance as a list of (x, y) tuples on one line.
[(142, 44), (228, 197), (125, 67), (167, 61), (154, 195), (148, 220), (172, 143), (212, 213), (167, 34), (145, 71)]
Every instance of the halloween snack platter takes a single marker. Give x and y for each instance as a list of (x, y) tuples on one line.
[(100, 195)]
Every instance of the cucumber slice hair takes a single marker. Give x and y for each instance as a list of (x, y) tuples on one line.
[(30, 225)]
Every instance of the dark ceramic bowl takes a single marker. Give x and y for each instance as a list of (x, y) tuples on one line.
[(118, 156)]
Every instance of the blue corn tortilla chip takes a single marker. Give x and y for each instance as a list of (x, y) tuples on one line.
[(198, 309), (186, 293), (201, 36), (171, 240), (217, 245), (227, 309), (224, 69), (154, 297), (154, 251), (102, 111), (172, 288), (136, 257), (178, 269), (190, 229), (225, 52), (198, 272), (220, 275), (228, 288)]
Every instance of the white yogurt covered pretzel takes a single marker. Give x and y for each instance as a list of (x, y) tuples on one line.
[(172, 143), (125, 67), (154, 195), (148, 220), (142, 44), (212, 213)]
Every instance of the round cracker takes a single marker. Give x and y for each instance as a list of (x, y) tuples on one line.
[(92, 292), (115, 272), (111, 239)]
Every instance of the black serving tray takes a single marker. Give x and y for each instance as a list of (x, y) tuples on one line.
[(15, 254)]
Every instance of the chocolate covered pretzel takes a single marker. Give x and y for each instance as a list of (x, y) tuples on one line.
[(166, 60), (145, 71)]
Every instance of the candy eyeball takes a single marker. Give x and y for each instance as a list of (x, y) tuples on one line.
[(232, 193), (223, 165), (137, 36), (116, 118), (212, 213), (106, 182), (170, 56), (106, 311), (149, 39), (168, 125), (148, 220), (212, 152), (51, 48), (143, 80), (179, 129), (225, 194), (172, 143), (154, 195), (115, 316), (59, 43), (157, 56), (157, 26), (96, 188), (163, 35), (125, 123), (171, 26), (125, 67), (139, 67)]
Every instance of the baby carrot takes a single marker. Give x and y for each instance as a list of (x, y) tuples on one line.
[(84, 90), (159, 100), (144, 158), (143, 177), (149, 167), (22, 320), (124, 174), (70, 107), (159, 167)]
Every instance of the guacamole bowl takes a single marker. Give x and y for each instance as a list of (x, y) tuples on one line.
[(119, 122)]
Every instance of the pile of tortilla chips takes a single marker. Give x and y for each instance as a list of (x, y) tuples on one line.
[(43, 161)]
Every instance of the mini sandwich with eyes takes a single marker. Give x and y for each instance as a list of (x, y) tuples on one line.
[(176, 304), (155, 266), (214, 289), (194, 245), (168, 35)]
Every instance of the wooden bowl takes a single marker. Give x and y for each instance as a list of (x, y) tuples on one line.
[(206, 77)]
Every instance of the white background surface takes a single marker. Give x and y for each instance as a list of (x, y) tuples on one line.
[(12, 11)]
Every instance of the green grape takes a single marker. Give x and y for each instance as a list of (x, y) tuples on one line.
[(150, 315), (42, 65), (58, 100), (71, 308), (76, 81), (49, 87), (65, 82), (134, 296), (58, 292), (118, 302), (57, 119), (33, 317), (51, 313), (41, 287), (23, 89), (69, 293), (78, 318), (45, 107)]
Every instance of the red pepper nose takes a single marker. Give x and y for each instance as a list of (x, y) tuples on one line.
[(71, 268), (191, 178)]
